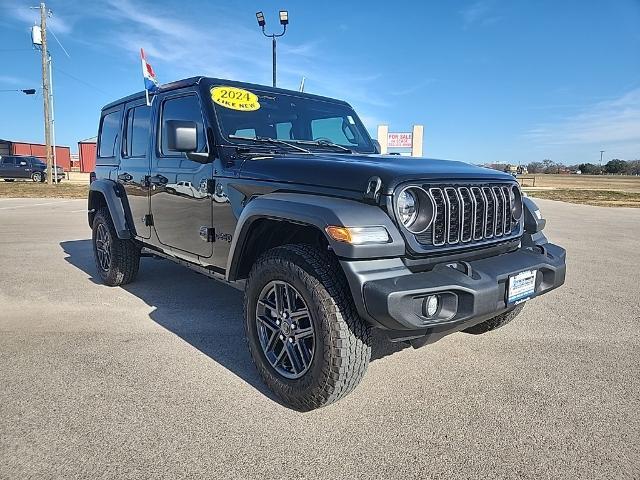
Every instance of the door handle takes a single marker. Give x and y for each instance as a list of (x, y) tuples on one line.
[(158, 180), (125, 177)]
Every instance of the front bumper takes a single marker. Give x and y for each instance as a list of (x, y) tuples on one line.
[(390, 296)]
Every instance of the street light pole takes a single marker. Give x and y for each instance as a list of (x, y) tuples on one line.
[(273, 45), (284, 21)]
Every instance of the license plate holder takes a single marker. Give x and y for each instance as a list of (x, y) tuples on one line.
[(521, 287)]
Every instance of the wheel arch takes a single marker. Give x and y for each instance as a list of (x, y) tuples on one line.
[(106, 194), (276, 219)]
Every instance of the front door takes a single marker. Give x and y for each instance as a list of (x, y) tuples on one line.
[(8, 167), (180, 201), (133, 173), (23, 167)]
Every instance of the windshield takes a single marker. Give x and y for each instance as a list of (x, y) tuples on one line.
[(315, 124)]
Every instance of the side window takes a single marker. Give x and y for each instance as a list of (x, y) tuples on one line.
[(109, 134), (7, 161), (137, 132), (335, 129), (182, 108)]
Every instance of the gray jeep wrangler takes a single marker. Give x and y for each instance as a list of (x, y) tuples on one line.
[(285, 195)]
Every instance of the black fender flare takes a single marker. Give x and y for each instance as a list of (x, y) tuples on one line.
[(112, 194), (319, 212)]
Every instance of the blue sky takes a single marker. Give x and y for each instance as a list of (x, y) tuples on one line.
[(491, 80)]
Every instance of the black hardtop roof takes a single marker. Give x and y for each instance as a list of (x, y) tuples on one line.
[(187, 82)]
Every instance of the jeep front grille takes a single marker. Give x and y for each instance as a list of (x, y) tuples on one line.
[(469, 214)]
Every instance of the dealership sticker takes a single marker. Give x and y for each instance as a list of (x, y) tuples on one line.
[(235, 98)]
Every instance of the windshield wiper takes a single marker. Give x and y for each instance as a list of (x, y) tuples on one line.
[(324, 143), (273, 141)]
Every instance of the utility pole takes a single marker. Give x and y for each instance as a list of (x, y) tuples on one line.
[(601, 152), (46, 91)]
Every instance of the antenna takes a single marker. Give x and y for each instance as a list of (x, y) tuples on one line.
[(302, 84)]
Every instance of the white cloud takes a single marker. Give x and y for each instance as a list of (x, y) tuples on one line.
[(479, 13), (413, 88), (178, 46), (61, 25), (604, 123), (8, 79)]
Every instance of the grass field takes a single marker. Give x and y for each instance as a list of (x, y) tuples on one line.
[(600, 198), (619, 183), (42, 190)]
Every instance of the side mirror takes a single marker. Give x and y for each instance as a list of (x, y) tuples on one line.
[(23, 164), (182, 136), (376, 144)]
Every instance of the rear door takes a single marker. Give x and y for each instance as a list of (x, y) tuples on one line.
[(134, 169), (182, 217)]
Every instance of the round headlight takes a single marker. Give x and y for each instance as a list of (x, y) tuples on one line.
[(516, 203), (407, 207), (414, 209)]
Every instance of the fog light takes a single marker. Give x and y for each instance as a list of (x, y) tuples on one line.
[(432, 304)]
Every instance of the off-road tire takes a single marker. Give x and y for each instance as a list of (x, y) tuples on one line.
[(38, 177), (125, 254), (342, 339), (495, 322)]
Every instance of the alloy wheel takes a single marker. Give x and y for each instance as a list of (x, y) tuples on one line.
[(103, 247), (285, 329)]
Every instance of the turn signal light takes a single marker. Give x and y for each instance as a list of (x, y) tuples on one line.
[(358, 235)]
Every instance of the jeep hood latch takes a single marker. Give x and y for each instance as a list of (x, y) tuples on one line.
[(372, 192)]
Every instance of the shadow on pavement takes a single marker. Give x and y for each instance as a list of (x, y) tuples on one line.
[(204, 312)]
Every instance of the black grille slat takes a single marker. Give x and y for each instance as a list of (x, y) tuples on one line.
[(439, 216), (481, 205), (467, 214), (508, 220), (497, 191), (490, 217), (454, 210)]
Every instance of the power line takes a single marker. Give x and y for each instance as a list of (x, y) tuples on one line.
[(93, 87), (56, 39)]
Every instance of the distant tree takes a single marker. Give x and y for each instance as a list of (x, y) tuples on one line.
[(589, 169), (550, 166), (615, 166), (535, 167), (633, 167)]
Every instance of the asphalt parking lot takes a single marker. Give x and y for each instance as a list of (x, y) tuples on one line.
[(154, 380)]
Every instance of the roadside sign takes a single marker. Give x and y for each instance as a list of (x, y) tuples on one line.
[(400, 140)]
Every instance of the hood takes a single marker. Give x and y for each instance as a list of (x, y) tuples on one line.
[(352, 172)]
